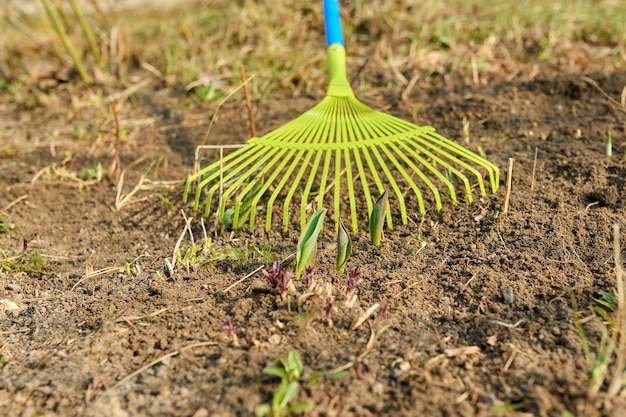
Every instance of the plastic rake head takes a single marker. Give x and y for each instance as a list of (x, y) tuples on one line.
[(340, 151)]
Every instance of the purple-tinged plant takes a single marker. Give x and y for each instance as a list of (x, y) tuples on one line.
[(228, 327), (285, 279), (353, 281), (383, 311), (328, 310), (273, 275), (309, 272), (249, 340)]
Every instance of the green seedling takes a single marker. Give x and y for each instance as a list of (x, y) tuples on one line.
[(289, 371), (6, 226), (3, 362), (202, 255), (279, 406), (344, 247), (94, 174), (307, 244), (377, 219), (24, 261), (506, 408), (609, 144), (166, 202), (608, 299)]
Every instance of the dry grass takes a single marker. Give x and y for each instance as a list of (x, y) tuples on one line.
[(283, 42)]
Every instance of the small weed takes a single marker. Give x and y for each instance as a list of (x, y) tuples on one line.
[(199, 256), (264, 254), (506, 408), (23, 261), (166, 202), (206, 92), (94, 174), (608, 299), (6, 226), (289, 371)]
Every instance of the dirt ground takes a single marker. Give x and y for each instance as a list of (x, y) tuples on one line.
[(481, 321)]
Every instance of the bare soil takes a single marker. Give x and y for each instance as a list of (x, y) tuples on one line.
[(479, 322)]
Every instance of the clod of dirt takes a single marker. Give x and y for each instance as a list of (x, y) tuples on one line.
[(606, 197), (507, 295)]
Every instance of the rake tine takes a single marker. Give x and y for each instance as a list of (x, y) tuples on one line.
[(293, 188), (256, 170), (424, 178), (245, 157), (307, 189)]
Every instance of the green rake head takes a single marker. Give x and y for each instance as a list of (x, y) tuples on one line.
[(343, 148)]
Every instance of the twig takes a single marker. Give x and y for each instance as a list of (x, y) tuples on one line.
[(159, 360), (611, 99), (219, 106), (14, 202), (180, 238), (532, 177), (105, 271), (122, 95), (120, 201), (507, 195), (115, 166), (510, 326), (248, 101)]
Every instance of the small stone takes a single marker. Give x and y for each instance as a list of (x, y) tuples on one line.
[(274, 339), (507, 295), (378, 389), (201, 412)]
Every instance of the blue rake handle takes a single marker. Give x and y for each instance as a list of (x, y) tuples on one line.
[(332, 22)]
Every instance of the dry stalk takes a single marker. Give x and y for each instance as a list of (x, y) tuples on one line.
[(219, 106), (532, 176), (159, 360), (179, 241), (507, 195), (248, 101), (115, 167), (364, 316), (617, 381), (123, 201)]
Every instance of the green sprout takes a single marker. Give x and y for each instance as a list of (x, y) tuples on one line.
[(307, 244), (377, 219), (24, 261), (289, 371), (344, 247), (6, 226)]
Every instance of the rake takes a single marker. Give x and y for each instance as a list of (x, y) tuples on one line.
[(340, 145)]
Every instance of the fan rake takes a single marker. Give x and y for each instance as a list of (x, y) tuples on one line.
[(340, 145)]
